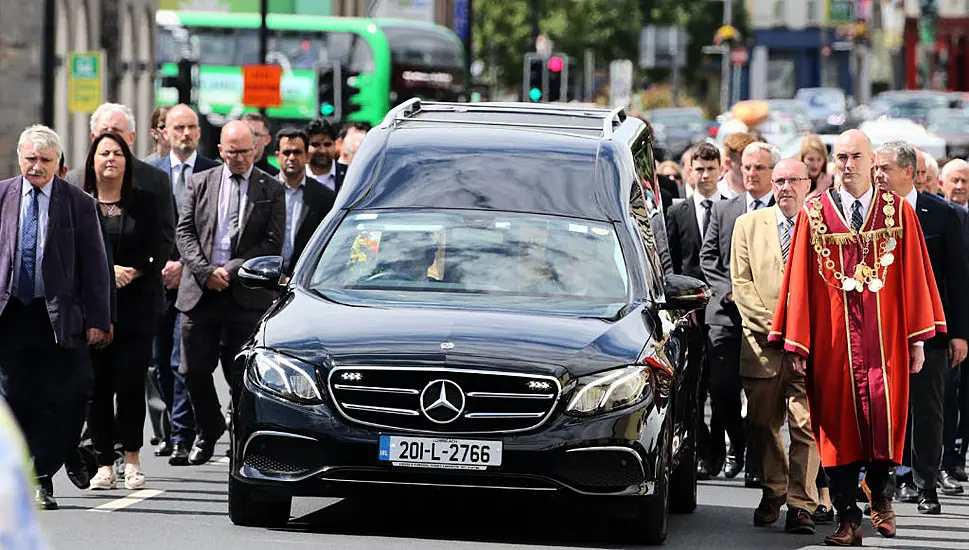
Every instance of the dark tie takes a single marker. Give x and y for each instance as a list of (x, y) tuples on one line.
[(28, 251), (706, 204), (757, 204), (786, 238), (235, 182), (856, 219)]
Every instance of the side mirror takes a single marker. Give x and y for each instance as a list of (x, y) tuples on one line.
[(685, 293), (262, 272)]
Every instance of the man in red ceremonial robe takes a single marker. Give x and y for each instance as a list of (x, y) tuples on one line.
[(855, 308)]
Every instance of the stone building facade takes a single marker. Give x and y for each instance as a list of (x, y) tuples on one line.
[(124, 29)]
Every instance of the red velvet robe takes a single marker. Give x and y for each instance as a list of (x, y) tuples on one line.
[(857, 343)]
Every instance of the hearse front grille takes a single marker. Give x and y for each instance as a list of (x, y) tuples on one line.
[(443, 400)]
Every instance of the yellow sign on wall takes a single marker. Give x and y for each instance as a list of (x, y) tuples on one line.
[(85, 72)]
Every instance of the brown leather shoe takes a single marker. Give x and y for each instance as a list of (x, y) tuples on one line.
[(799, 521), (883, 515), (846, 535), (768, 511)]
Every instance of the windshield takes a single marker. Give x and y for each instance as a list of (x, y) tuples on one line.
[(949, 124), (818, 99), (448, 256), (679, 122)]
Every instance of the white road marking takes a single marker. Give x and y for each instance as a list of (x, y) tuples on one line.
[(130, 500), (223, 460)]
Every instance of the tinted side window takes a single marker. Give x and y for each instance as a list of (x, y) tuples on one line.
[(646, 212)]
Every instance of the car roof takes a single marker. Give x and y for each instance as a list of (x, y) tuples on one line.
[(503, 157)]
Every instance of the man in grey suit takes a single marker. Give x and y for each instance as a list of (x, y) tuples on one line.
[(55, 302), (230, 214), (722, 315)]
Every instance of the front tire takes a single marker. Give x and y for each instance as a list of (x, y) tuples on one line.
[(683, 482), (255, 507)]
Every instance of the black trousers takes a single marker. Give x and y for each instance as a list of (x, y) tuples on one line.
[(843, 484), (923, 439), (212, 333), (46, 386), (726, 386), (710, 439), (119, 373), (956, 425)]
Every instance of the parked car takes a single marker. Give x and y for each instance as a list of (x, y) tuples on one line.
[(678, 129), (796, 110), (828, 108), (883, 130), (483, 308), (952, 125)]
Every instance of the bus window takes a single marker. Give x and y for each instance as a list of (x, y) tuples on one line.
[(420, 48), (217, 46), (167, 49)]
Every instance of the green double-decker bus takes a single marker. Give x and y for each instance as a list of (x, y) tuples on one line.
[(391, 60)]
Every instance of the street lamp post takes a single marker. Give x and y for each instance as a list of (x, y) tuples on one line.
[(49, 62), (263, 37)]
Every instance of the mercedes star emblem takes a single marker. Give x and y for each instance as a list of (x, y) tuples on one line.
[(442, 401)]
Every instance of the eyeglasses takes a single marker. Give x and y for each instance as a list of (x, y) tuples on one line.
[(780, 182), (160, 127)]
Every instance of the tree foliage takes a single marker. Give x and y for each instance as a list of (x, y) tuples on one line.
[(502, 31)]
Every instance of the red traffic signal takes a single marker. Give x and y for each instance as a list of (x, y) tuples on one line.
[(555, 64)]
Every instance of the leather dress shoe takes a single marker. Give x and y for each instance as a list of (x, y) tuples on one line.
[(733, 465), (846, 535), (44, 495), (799, 521), (768, 511), (823, 515), (883, 514), (164, 448), (180, 454), (948, 484), (908, 493), (929, 503), (958, 473), (752, 481), (203, 449), (702, 472)]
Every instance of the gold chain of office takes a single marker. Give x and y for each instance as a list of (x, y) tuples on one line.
[(872, 277)]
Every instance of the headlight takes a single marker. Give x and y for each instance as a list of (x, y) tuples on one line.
[(284, 376), (610, 390)]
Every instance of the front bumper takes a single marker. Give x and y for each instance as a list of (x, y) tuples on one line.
[(314, 451)]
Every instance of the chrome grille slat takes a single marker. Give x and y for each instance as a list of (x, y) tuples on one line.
[(407, 391), (391, 398), (388, 410)]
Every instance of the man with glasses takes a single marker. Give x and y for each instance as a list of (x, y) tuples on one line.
[(724, 338), (231, 214), (183, 160), (761, 247), (259, 125)]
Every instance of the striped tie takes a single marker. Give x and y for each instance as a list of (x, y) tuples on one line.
[(786, 238), (856, 219)]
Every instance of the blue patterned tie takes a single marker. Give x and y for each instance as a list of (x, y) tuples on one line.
[(856, 219), (28, 251)]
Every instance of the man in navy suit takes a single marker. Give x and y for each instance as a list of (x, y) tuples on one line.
[(183, 132), (55, 302), (896, 165)]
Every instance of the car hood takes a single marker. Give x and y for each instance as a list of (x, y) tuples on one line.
[(317, 330)]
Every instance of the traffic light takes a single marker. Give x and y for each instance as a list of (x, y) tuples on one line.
[(350, 86), (534, 81), (558, 77), (183, 81), (329, 91)]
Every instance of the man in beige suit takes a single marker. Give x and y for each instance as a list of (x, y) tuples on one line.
[(761, 241)]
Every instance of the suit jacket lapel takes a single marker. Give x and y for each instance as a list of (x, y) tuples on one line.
[(11, 221), (208, 210), (773, 235), (253, 195), (304, 211), (693, 229)]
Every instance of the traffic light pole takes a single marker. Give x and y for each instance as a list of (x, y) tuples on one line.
[(263, 37)]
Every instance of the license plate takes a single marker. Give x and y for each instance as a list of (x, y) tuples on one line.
[(445, 453)]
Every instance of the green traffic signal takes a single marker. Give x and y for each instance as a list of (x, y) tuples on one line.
[(327, 109), (535, 94)]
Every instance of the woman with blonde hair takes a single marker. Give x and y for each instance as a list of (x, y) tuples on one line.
[(814, 154), (674, 171)]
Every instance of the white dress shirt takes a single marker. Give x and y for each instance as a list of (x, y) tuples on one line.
[(781, 218), (697, 200), (189, 170), (724, 188), (294, 206), (913, 196), (222, 245), (764, 201), (847, 202), (43, 206), (328, 179)]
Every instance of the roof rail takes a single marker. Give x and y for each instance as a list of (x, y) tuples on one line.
[(405, 109), (617, 115)]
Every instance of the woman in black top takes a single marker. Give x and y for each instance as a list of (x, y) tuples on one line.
[(133, 228)]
